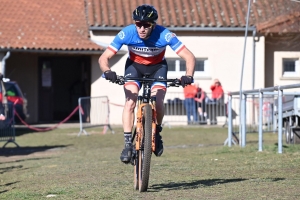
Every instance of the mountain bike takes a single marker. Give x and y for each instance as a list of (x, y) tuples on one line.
[(144, 134)]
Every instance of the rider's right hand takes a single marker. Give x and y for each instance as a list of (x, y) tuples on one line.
[(110, 75)]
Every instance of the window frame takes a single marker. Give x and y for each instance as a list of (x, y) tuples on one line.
[(295, 73), (178, 63)]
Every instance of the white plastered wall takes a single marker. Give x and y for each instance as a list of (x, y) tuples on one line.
[(278, 68), (225, 56)]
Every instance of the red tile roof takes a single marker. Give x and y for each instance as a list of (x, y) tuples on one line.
[(44, 25), (64, 24), (267, 15)]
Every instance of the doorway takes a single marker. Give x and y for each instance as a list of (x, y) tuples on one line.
[(62, 80)]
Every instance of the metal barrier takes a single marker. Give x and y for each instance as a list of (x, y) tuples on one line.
[(7, 126), (93, 112), (249, 115), (251, 111), (189, 111), (269, 102)]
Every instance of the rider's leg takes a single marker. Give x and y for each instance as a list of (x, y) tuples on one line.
[(131, 93), (159, 92)]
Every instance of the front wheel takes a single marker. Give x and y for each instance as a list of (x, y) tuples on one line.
[(136, 169), (144, 155)]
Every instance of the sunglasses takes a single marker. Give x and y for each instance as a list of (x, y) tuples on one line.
[(144, 24)]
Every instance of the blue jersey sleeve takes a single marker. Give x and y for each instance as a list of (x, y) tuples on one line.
[(172, 40), (118, 41), (121, 38)]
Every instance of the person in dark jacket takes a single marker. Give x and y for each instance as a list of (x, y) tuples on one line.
[(2, 116)]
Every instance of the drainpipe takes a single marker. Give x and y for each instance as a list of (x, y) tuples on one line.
[(3, 62), (255, 39)]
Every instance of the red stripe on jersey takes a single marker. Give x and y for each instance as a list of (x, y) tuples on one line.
[(147, 60), (180, 49), (111, 49)]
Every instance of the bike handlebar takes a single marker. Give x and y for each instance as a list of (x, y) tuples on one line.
[(172, 82)]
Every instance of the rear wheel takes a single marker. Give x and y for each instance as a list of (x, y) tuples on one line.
[(146, 150)]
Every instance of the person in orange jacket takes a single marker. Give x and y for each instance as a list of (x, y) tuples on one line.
[(190, 92), (217, 92), (217, 97)]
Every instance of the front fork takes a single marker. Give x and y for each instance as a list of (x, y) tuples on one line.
[(154, 122)]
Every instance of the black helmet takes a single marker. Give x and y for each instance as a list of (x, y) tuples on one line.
[(145, 13)]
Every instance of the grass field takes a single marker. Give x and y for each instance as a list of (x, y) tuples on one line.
[(195, 165)]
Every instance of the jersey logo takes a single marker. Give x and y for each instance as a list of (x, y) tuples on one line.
[(145, 49), (121, 35), (168, 37)]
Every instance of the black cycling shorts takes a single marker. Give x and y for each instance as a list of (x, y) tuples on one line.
[(137, 70)]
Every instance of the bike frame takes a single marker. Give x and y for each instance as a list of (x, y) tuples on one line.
[(144, 143)]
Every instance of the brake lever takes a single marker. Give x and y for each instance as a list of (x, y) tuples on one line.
[(120, 80)]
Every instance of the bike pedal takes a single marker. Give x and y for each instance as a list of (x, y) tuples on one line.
[(126, 162)]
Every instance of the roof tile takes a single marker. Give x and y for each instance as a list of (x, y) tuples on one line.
[(196, 13), (45, 25), (64, 24)]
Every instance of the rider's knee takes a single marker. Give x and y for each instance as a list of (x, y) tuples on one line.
[(129, 106)]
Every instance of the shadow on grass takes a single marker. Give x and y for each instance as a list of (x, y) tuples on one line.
[(22, 160), (7, 169), (21, 131), (17, 167), (24, 130), (284, 146), (193, 184), (28, 150), (200, 183), (7, 184)]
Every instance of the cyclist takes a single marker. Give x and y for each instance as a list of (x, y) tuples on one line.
[(146, 42)]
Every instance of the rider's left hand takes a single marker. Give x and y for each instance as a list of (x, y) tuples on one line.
[(186, 80)]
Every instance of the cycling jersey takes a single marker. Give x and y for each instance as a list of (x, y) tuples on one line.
[(146, 52)]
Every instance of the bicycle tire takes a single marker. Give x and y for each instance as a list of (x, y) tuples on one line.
[(135, 163), (136, 175), (146, 151), (136, 171)]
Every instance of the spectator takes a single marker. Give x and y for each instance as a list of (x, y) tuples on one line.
[(2, 116), (190, 92), (217, 98), (217, 92), (200, 103)]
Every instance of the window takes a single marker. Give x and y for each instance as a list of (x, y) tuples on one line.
[(176, 67), (291, 67)]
